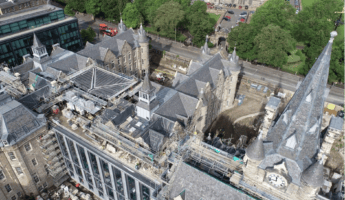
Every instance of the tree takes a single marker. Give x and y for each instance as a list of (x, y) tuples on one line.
[(168, 16), (336, 72), (242, 37), (277, 12), (273, 45), (132, 16), (78, 5), (68, 10), (199, 27), (110, 9), (88, 35), (93, 7)]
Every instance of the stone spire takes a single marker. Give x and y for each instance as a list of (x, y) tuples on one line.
[(296, 133), (256, 150), (313, 175), (233, 55), (205, 49), (142, 35), (36, 42), (122, 26), (147, 87)]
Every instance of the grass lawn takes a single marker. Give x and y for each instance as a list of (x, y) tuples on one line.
[(292, 65), (179, 36), (213, 17)]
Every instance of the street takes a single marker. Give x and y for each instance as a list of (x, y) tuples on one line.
[(273, 76)]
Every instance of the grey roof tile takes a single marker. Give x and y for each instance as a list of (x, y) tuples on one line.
[(256, 150), (313, 175), (336, 123), (200, 185)]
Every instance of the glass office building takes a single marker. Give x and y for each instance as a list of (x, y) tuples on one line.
[(16, 38), (104, 176)]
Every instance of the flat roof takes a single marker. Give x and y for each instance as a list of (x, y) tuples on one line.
[(34, 30), (27, 14)]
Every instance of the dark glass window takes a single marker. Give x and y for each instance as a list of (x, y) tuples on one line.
[(110, 193), (69, 164), (78, 170), (83, 158), (88, 178), (98, 184), (118, 180), (72, 151), (62, 145), (94, 165), (120, 197), (145, 192), (106, 173), (131, 188)]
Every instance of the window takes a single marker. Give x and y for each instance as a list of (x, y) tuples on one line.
[(35, 177), (37, 2), (83, 158), (2, 175), (106, 173), (124, 58), (142, 50), (20, 6), (8, 188), (229, 91), (34, 162), (90, 187), (129, 55), (13, 198), (131, 188), (19, 170), (11, 155), (45, 185), (145, 192), (27, 147), (118, 180)]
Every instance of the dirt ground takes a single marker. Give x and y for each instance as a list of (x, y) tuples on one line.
[(336, 161)]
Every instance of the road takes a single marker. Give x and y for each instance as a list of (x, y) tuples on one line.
[(269, 75), (282, 79)]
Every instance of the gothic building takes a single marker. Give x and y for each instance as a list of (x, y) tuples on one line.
[(284, 164), (127, 52)]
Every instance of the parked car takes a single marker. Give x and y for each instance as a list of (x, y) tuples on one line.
[(229, 4), (226, 19), (234, 5), (252, 12), (246, 7), (243, 14), (231, 12), (208, 4), (240, 7)]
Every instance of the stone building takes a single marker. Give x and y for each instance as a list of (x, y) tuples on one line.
[(250, 3), (284, 164), (213, 80), (127, 52), (22, 165), (9, 6)]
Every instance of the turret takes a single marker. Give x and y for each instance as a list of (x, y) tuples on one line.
[(205, 49), (313, 175), (122, 27), (144, 48), (256, 151)]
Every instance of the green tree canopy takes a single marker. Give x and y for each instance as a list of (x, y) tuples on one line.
[(93, 7), (153, 6), (68, 10), (199, 27), (131, 16), (88, 35), (273, 45), (242, 37), (277, 12), (78, 5), (169, 15)]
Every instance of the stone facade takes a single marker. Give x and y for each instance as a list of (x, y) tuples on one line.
[(251, 3), (23, 168)]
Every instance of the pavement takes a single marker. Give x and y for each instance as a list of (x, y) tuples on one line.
[(234, 17)]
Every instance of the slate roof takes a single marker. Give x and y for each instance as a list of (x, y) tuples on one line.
[(5, 98), (199, 185), (114, 44), (178, 108), (102, 83), (302, 118), (69, 64), (273, 102), (36, 42), (336, 123), (146, 86), (313, 176), (33, 99), (16, 122), (37, 81)]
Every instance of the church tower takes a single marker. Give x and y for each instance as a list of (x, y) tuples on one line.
[(147, 99), (144, 49), (285, 163)]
